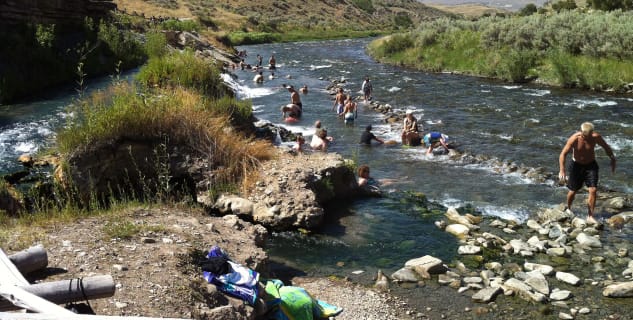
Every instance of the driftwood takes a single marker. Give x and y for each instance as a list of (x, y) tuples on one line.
[(42, 316), (23, 299), (64, 291), (31, 259)]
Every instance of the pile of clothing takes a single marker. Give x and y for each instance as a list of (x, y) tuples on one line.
[(282, 302)]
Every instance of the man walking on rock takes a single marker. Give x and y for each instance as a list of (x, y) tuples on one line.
[(583, 167)]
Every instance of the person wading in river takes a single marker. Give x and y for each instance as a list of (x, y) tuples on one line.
[(583, 167)]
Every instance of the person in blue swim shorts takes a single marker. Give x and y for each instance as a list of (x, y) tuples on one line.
[(434, 139)]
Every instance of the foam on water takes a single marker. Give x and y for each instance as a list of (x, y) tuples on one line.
[(536, 92), (581, 104), (511, 87), (519, 214), (313, 67), (244, 91), (394, 89)]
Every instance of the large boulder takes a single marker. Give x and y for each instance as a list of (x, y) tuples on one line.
[(132, 168)]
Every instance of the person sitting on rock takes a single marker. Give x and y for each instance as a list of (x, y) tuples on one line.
[(410, 134)]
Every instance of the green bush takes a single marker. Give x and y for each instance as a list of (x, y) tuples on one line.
[(183, 69), (123, 44), (517, 65), (181, 25), (155, 44), (245, 38), (365, 5)]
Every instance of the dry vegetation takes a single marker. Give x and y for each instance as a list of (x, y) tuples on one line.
[(468, 10)]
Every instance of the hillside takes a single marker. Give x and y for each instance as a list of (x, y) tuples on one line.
[(468, 10), (284, 16)]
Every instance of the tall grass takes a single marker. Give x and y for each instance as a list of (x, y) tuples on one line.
[(183, 69), (188, 119)]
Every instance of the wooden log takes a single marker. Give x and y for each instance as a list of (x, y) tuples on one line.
[(64, 291), (43, 316), (31, 259), (9, 273), (26, 300)]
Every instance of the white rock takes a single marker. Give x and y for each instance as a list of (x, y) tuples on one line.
[(459, 230), (532, 224), (584, 310), (486, 295), (587, 240), (565, 316), (537, 281), (567, 278), (542, 268), (560, 295), (426, 264), (619, 290), (468, 249)]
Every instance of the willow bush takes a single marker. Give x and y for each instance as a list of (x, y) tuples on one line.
[(571, 48)]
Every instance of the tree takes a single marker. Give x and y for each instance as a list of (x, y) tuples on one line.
[(567, 5), (528, 10), (609, 5)]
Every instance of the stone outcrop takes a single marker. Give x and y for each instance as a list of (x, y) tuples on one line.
[(293, 190), (131, 168), (53, 11)]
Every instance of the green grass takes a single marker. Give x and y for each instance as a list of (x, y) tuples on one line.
[(244, 38), (468, 48), (185, 70)]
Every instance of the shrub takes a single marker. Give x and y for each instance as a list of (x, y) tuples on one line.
[(517, 64), (365, 5), (183, 69), (155, 44), (180, 25), (245, 38), (122, 43)]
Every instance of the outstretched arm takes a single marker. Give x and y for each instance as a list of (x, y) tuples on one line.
[(608, 150)]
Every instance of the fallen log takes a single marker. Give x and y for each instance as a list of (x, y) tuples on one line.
[(65, 291), (42, 316), (31, 259)]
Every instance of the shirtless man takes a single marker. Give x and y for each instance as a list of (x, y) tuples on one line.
[(304, 89), (349, 111), (583, 167), (339, 101), (295, 108), (272, 62), (259, 78)]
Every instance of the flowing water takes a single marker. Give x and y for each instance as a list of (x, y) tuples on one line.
[(524, 124)]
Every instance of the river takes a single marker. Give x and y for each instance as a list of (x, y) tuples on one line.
[(524, 124)]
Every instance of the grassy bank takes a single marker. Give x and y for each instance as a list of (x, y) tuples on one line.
[(188, 107), (246, 38), (568, 49)]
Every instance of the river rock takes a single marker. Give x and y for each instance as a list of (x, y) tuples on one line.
[(26, 160), (556, 252), (426, 265), (454, 216), (555, 214), (619, 290), (486, 295), (468, 249), (537, 281), (523, 290), (382, 282), (559, 295), (519, 245), (537, 244), (588, 241), (405, 275), (228, 204), (542, 268), (459, 230), (567, 278)]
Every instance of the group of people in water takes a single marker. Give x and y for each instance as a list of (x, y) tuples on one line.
[(581, 170)]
